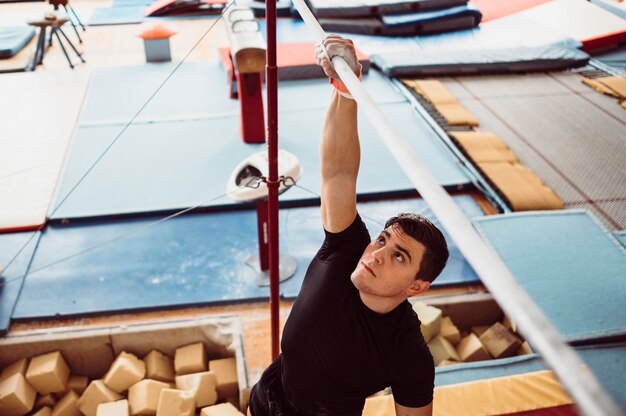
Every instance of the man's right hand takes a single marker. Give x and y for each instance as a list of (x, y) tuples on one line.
[(335, 45)]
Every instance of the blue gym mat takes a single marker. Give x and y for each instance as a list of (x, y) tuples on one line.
[(569, 264), (11, 278), (168, 165), (103, 16), (606, 362), (14, 39), (621, 236), (192, 259), (196, 90)]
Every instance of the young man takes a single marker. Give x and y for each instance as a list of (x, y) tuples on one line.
[(352, 332)]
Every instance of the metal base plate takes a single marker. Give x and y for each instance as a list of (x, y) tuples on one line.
[(286, 268)]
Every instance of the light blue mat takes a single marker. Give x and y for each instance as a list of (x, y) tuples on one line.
[(192, 259), (606, 362), (196, 90), (11, 278), (186, 161), (569, 264), (621, 237), (104, 16)]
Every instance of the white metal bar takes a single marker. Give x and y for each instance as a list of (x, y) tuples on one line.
[(588, 394)]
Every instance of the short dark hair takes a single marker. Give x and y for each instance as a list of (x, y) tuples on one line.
[(425, 232)]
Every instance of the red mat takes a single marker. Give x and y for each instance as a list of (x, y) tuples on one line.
[(495, 9)]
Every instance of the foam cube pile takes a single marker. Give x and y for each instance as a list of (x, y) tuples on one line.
[(450, 345), (189, 384)]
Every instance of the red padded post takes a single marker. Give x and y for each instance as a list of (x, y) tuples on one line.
[(251, 105)]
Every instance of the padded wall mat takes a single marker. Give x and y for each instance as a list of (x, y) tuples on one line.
[(553, 255), (365, 8), (124, 15), (192, 259), (606, 362), (13, 275), (166, 164), (571, 136)]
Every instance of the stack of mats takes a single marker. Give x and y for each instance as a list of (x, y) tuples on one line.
[(16, 48), (517, 185), (395, 17)]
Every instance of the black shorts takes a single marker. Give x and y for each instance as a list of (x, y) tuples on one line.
[(267, 397)]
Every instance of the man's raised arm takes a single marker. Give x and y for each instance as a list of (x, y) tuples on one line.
[(339, 150)]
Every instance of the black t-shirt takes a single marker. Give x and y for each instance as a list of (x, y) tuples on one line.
[(337, 351)]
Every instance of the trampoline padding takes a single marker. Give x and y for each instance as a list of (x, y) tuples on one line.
[(11, 279), (192, 259), (422, 23), (606, 362), (14, 39), (572, 268), (448, 62), (360, 8)]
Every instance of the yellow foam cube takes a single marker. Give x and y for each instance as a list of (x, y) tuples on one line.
[(118, 408), (203, 385), (471, 349), (225, 371), (17, 397), (48, 373), (19, 366), (44, 411), (159, 366), (190, 359), (125, 371), (176, 403), (222, 409), (96, 392), (430, 317), (449, 331), (143, 397), (67, 405), (441, 350)]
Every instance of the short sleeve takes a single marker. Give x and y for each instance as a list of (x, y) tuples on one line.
[(353, 239), (413, 381)]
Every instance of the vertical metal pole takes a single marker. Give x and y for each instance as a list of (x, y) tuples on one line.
[(272, 183)]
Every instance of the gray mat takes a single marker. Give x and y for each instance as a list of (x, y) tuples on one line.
[(572, 137)]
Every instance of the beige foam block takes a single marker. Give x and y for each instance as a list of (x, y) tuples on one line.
[(77, 383), (449, 331), (484, 146), (203, 385), (190, 359), (225, 371), (17, 397), (45, 400), (615, 84), (432, 90), (96, 392), (441, 350), (499, 341), (471, 349), (44, 411), (456, 115), (509, 324), (222, 409), (176, 403), (118, 408), (598, 86), (524, 349), (19, 366), (430, 317), (125, 371), (48, 373), (67, 405), (522, 189), (448, 362), (159, 366), (143, 397), (479, 330), (623, 104)]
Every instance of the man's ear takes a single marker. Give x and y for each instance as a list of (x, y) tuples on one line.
[(418, 286)]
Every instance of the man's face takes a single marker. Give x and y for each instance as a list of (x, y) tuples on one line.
[(389, 264)]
